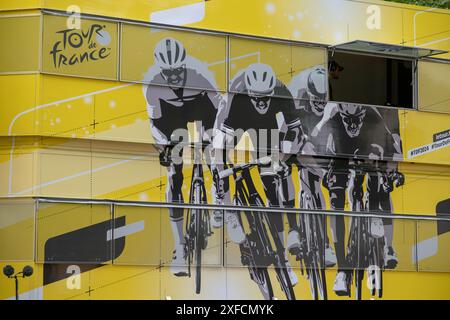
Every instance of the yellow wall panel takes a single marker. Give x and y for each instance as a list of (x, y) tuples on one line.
[(434, 87), (138, 45), (20, 38), (418, 137), (18, 94), (17, 174), (17, 222), (64, 175)]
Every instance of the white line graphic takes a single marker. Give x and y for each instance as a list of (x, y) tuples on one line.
[(258, 54), (125, 230), (42, 107), (415, 30), (35, 294), (180, 15), (434, 146), (79, 174), (425, 249)]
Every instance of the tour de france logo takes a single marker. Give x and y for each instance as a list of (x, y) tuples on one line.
[(78, 46)]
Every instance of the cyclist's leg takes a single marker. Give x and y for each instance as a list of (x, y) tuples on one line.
[(288, 201), (220, 188), (288, 196), (170, 121), (174, 194), (337, 191), (270, 185), (319, 200), (356, 192), (384, 204), (337, 185)]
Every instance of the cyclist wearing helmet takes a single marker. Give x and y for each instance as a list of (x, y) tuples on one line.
[(171, 104), (260, 100), (360, 132), (309, 91)]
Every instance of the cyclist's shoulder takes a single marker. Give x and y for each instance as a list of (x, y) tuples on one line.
[(283, 97), (237, 84), (300, 80), (198, 75)]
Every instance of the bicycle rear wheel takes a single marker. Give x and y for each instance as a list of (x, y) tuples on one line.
[(198, 233), (198, 251)]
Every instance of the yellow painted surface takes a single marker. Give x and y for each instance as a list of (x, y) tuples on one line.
[(434, 87), (114, 157), (20, 44)]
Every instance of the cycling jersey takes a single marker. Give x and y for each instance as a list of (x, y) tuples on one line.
[(241, 114), (172, 108)]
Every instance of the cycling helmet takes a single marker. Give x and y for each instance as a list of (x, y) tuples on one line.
[(352, 117), (260, 79), (351, 110), (316, 85), (169, 54)]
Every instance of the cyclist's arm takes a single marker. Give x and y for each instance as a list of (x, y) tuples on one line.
[(212, 91), (294, 139), (225, 136), (330, 110), (160, 138), (154, 112)]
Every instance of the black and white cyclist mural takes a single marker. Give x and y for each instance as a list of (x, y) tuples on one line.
[(345, 154)]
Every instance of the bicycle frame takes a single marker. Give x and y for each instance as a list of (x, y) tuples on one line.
[(198, 227)]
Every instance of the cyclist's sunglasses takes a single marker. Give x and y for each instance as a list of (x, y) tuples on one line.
[(352, 119), (173, 72), (318, 104), (264, 99)]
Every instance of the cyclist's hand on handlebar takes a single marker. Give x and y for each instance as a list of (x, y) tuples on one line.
[(165, 156), (399, 179)]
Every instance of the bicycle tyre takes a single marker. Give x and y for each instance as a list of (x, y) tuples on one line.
[(198, 254), (312, 277), (312, 247), (359, 275), (285, 282), (322, 284), (198, 239), (319, 258), (262, 279)]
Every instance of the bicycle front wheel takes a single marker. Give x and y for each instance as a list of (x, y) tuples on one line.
[(285, 282), (261, 277), (198, 251)]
